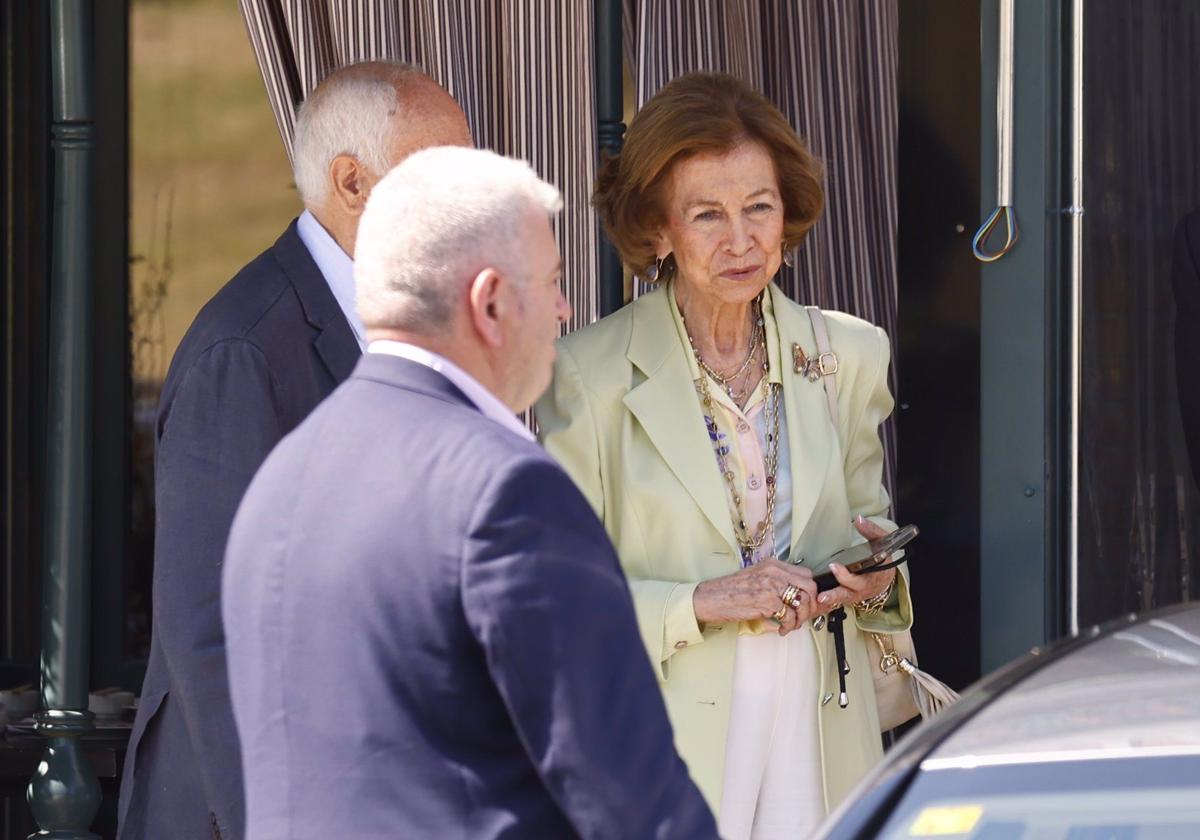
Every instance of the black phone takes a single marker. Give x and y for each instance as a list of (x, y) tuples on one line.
[(872, 556)]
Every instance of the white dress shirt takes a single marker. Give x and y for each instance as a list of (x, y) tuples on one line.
[(336, 267), (484, 400)]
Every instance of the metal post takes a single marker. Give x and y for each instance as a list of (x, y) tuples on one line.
[(1075, 211), (610, 110), (64, 794)]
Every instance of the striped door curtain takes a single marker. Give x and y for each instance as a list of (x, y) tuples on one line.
[(830, 66), (523, 71)]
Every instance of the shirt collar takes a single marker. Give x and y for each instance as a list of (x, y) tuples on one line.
[(336, 267), (487, 402)]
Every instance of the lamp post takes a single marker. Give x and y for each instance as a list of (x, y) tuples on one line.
[(610, 111), (64, 794)]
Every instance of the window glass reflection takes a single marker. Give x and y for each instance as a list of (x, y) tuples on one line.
[(210, 187)]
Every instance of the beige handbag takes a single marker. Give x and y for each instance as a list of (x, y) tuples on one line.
[(902, 690)]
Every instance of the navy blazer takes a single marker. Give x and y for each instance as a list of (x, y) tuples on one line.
[(258, 358), (1186, 278), (429, 635)]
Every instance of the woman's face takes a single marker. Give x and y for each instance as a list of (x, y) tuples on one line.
[(724, 222)]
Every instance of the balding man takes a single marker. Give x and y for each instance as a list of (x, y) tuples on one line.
[(276, 340)]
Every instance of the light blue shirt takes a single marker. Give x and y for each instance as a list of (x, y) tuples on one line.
[(336, 267)]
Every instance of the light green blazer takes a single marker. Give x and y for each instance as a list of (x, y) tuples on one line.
[(623, 419)]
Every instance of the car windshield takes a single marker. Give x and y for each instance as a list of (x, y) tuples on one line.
[(1105, 798)]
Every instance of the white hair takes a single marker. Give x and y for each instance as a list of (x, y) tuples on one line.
[(432, 224), (349, 113)]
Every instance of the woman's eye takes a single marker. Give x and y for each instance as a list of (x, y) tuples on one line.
[(761, 207), (706, 216)]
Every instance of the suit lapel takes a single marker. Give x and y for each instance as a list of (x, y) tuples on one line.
[(810, 429), (667, 407), (335, 343), (338, 348)]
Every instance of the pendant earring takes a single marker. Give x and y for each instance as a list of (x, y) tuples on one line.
[(789, 259), (654, 271)]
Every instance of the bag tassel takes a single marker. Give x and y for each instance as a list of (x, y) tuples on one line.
[(931, 694)]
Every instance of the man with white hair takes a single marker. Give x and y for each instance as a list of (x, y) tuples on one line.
[(455, 653), (261, 354)]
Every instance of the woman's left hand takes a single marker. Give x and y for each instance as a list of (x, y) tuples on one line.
[(854, 588)]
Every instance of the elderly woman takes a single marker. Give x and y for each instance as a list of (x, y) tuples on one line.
[(690, 422)]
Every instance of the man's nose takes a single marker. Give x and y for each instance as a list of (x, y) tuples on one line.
[(564, 308)]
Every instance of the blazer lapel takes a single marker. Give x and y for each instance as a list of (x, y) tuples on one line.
[(810, 429), (335, 343), (668, 408)]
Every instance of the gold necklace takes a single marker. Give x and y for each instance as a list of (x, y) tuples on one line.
[(748, 542), (758, 336), (738, 395), (725, 378)]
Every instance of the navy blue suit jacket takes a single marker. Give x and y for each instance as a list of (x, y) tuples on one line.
[(429, 635), (257, 359)]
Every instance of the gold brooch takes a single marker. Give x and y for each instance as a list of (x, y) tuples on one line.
[(826, 364)]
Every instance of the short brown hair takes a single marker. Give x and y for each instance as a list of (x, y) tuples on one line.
[(693, 114)]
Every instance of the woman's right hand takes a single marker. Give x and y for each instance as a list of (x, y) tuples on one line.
[(757, 592)]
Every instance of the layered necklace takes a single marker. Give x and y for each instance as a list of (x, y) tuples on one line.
[(726, 381), (749, 539)]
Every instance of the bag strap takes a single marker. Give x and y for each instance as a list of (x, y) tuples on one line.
[(824, 353), (826, 365), (930, 694)]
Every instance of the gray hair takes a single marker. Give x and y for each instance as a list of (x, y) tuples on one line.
[(348, 113), (432, 224)]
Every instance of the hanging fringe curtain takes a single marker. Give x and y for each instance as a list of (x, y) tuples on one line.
[(830, 66), (521, 69)]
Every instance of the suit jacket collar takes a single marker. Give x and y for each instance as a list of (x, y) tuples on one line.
[(668, 408), (335, 343), (410, 376)]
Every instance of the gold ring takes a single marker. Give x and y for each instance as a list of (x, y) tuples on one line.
[(780, 613), (789, 594)]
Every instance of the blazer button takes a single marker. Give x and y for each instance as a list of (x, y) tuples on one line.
[(680, 645), (818, 622)]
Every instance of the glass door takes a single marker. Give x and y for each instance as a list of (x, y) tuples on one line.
[(1138, 508)]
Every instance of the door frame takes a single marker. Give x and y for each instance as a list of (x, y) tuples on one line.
[(1023, 382)]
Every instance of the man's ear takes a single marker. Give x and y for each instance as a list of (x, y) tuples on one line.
[(350, 184), (487, 307)]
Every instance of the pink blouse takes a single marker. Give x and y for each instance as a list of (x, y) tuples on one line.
[(772, 785)]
